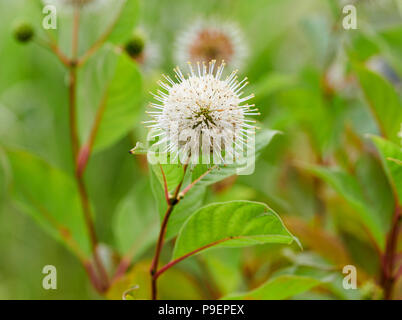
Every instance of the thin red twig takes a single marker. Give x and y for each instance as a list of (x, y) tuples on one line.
[(191, 185), (165, 186), (101, 40), (176, 261), (171, 204)]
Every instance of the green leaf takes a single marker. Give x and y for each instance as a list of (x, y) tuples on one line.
[(279, 288), (173, 174), (262, 140), (391, 156), (363, 46), (123, 29), (351, 190), (306, 272), (136, 222), (113, 87), (392, 45), (231, 224), (272, 83), (49, 196), (383, 101), (194, 198), (376, 187), (225, 268)]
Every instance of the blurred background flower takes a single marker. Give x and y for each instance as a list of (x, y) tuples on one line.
[(213, 39)]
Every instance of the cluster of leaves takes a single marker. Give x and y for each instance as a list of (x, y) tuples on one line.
[(334, 174)]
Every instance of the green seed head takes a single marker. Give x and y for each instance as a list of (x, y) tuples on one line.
[(23, 32), (135, 46)]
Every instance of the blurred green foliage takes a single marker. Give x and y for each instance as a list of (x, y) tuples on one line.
[(333, 174)]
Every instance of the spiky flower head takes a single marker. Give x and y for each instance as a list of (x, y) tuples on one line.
[(202, 115), (207, 40)]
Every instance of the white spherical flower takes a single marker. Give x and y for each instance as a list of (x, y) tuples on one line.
[(202, 115), (208, 40)]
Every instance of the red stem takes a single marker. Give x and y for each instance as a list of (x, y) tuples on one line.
[(159, 245), (81, 155), (172, 202), (101, 40), (93, 277), (72, 112), (388, 262), (75, 148), (85, 151), (188, 188), (165, 186), (174, 262)]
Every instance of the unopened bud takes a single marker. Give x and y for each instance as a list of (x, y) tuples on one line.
[(135, 46), (23, 32)]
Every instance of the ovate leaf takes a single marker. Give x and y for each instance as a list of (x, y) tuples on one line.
[(391, 156), (194, 198), (279, 288), (174, 172), (376, 187), (383, 101), (231, 224), (262, 140), (225, 268), (351, 190), (122, 103), (126, 22), (136, 224), (111, 86), (49, 196)]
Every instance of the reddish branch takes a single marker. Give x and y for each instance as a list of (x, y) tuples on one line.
[(81, 155), (86, 149), (389, 275), (101, 40), (72, 93), (172, 202), (176, 261), (158, 250)]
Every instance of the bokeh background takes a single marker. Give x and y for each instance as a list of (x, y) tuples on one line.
[(301, 66)]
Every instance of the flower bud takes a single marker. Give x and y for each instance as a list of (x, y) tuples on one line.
[(23, 32), (135, 46)]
